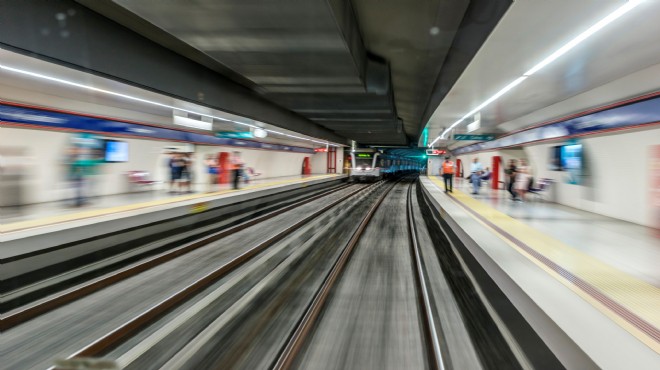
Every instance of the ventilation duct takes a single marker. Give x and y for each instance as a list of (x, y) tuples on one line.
[(378, 76)]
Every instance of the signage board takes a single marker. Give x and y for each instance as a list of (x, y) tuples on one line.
[(192, 123), (320, 150), (363, 155), (485, 137), (234, 135), (435, 152), (40, 118)]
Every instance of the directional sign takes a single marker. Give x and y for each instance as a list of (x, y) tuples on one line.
[(234, 135), (485, 137)]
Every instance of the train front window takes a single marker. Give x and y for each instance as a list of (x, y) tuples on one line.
[(363, 162)]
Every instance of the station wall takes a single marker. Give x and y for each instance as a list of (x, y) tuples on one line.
[(44, 150), (319, 161), (45, 174), (617, 182), (618, 178)]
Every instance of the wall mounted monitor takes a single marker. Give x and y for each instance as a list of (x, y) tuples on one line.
[(115, 151), (555, 159), (571, 157)]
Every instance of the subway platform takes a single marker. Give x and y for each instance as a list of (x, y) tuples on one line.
[(586, 284), (51, 213)]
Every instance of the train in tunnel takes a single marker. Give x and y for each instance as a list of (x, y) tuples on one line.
[(369, 165)]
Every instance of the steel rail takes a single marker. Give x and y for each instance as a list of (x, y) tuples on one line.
[(436, 360), (33, 310), (304, 327), (127, 329)]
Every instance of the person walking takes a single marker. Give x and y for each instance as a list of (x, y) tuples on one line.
[(511, 172), (236, 168), (448, 174), (476, 170)]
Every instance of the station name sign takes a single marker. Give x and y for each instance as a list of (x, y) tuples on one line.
[(40, 118), (234, 135)]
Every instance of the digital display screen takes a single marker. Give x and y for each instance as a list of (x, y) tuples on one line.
[(571, 157), (555, 159), (364, 155), (116, 151), (572, 162)]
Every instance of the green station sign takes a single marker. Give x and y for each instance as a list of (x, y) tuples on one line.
[(234, 135), (485, 137)]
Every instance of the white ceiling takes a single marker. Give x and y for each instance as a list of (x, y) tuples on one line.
[(530, 31), (37, 91)]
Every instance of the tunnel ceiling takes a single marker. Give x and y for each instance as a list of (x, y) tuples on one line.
[(370, 70)]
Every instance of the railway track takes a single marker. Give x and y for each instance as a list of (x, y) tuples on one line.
[(288, 357), (27, 312), (345, 287), (251, 332), (26, 326)]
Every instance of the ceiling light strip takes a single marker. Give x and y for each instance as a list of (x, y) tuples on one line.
[(628, 6), (584, 35), (134, 98)]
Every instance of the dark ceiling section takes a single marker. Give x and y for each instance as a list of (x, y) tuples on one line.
[(369, 70), (307, 56), (67, 33), (414, 37), (480, 19)]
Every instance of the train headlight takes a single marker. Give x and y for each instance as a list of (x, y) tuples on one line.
[(368, 168)]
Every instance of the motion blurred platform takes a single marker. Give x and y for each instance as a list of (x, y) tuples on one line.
[(590, 296), (46, 214), (53, 240)]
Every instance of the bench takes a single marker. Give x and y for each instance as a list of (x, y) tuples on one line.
[(139, 179)]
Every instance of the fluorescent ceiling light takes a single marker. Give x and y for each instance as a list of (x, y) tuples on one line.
[(260, 133), (134, 98), (584, 35), (628, 6), (506, 88)]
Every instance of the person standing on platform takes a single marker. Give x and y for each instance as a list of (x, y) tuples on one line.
[(236, 168), (212, 171), (522, 180), (176, 164), (511, 172), (476, 169), (448, 174), (187, 176)]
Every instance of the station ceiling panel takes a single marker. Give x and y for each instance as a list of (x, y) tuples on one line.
[(370, 70)]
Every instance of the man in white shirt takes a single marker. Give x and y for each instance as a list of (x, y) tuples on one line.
[(476, 170)]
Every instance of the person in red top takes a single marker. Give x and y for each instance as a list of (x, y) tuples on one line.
[(448, 174)]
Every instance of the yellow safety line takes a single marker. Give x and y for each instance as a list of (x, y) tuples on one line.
[(639, 297), (16, 226)]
